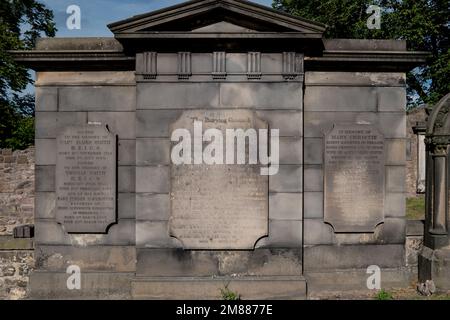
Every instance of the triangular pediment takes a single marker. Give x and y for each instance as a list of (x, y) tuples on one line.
[(216, 16), (223, 26)]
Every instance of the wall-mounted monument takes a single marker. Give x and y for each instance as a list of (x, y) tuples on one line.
[(187, 231), (219, 204), (354, 178), (86, 167)]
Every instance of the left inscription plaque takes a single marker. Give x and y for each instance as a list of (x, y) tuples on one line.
[(86, 179)]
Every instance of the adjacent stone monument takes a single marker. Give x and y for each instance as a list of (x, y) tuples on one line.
[(434, 260)]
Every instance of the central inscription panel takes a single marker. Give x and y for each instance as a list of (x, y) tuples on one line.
[(354, 178), (218, 206)]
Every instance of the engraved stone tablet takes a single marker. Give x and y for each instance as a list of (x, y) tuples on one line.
[(354, 178), (86, 179), (218, 206)]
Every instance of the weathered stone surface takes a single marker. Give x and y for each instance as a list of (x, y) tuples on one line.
[(322, 283), (291, 150), (395, 179), (283, 234), (313, 150), (395, 152), (46, 99), (45, 205), (261, 95), (95, 285), (313, 205), (152, 179), (290, 123), (318, 232), (323, 257), (126, 205), (354, 178), (313, 178), (177, 95), (126, 179), (50, 124), (155, 123), (391, 124), (193, 263), (391, 99), (152, 151), (49, 232), (395, 205), (45, 178), (355, 78), (98, 98), (121, 123), (86, 179), (89, 259), (152, 207), (45, 152), (250, 288), (393, 231), (167, 63), (127, 152), (285, 206), (415, 227), (220, 206), (154, 234), (340, 99), (413, 246), (85, 78), (288, 179), (435, 265)]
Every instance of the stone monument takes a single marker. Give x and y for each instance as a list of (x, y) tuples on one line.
[(107, 110), (434, 260)]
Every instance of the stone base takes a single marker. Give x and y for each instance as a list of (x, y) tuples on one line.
[(195, 288), (94, 286), (435, 265), (356, 280)]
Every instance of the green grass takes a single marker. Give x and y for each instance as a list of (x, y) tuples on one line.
[(227, 294), (384, 295), (415, 208)]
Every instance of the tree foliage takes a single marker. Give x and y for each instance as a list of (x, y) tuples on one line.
[(21, 23), (423, 23)]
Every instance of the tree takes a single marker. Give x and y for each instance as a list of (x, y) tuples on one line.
[(423, 23), (21, 23)]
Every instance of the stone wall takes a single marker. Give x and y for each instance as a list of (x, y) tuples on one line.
[(16, 208)]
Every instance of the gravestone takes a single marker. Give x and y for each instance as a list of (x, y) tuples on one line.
[(354, 178), (220, 206), (86, 179)]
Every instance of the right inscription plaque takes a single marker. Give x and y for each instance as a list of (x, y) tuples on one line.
[(354, 178)]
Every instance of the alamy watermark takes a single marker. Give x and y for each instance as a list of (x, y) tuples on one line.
[(374, 21), (73, 22), (74, 280), (221, 150), (374, 280)]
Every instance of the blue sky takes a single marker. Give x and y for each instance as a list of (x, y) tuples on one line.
[(96, 14)]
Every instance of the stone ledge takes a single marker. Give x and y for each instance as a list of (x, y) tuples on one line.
[(249, 288), (356, 279), (11, 243)]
